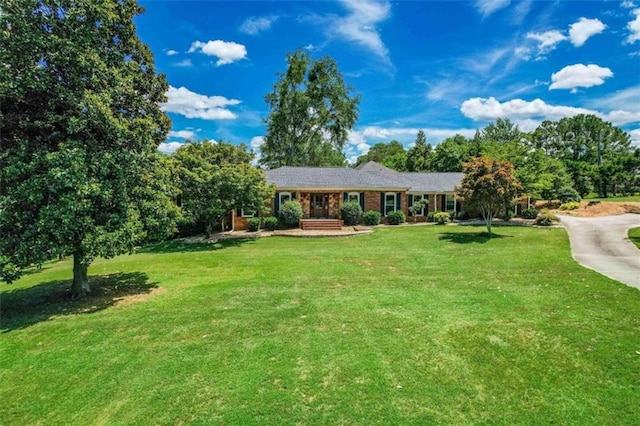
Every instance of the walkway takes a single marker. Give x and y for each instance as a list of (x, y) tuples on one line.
[(601, 244)]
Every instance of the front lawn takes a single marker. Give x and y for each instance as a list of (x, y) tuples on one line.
[(408, 325), (628, 198), (634, 236)]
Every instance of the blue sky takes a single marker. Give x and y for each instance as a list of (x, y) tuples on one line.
[(445, 67)]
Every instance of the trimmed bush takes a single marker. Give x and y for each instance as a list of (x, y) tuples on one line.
[(396, 218), (546, 218), (462, 215), (291, 213), (351, 213), (253, 224), (371, 218), (566, 195), (529, 213), (508, 215), (442, 218), (571, 205), (270, 223), (431, 216)]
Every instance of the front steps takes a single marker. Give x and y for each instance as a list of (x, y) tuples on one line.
[(321, 224)]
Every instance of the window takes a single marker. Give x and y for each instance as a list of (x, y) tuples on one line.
[(284, 197), (450, 203), (247, 212), (353, 197), (419, 197), (389, 202)]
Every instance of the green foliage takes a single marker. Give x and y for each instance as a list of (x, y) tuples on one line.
[(371, 218), (507, 215), (529, 213), (546, 218), (310, 114), (253, 224), (488, 186), (568, 194), (571, 205), (431, 216), (270, 223), (216, 178), (442, 218), (291, 213), (80, 121), (351, 213), (462, 215), (396, 217), (418, 206), (450, 154), (420, 155), (390, 155)]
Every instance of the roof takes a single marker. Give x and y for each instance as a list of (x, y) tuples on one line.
[(368, 176)]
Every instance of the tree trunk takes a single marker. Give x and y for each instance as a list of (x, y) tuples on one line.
[(207, 230), (489, 220), (80, 286)]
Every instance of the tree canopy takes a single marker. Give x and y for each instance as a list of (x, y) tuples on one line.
[(488, 186), (80, 121), (216, 178), (311, 113)]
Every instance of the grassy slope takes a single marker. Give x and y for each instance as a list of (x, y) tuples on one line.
[(634, 236), (407, 325), (630, 198)]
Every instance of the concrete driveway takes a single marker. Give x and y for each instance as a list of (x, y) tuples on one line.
[(601, 244)]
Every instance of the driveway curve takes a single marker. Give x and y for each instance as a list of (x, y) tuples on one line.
[(601, 244)]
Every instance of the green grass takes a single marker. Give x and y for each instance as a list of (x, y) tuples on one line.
[(634, 236), (410, 325), (630, 198)]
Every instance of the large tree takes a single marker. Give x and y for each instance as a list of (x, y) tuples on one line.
[(80, 121), (420, 155), (216, 178), (488, 186), (391, 154), (311, 112), (450, 154)]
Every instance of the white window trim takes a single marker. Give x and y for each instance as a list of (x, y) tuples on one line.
[(423, 197), (242, 213), (356, 194), (395, 202), (448, 198), (281, 194)]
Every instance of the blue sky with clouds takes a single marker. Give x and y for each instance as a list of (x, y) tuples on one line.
[(445, 67)]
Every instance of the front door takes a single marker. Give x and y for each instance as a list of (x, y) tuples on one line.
[(319, 205)]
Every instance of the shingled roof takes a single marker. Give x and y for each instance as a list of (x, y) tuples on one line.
[(370, 176)]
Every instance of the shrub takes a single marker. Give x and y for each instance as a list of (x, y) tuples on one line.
[(442, 218), (430, 216), (529, 213), (568, 194), (396, 217), (462, 215), (571, 205), (507, 215), (351, 213), (371, 218), (546, 218), (270, 223), (253, 224), (291, 213)]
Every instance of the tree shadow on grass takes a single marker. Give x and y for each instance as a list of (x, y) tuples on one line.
[(182, 246), (470, 237), (24, 307)]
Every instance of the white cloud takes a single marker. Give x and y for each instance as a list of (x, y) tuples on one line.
[(194, 105), (627, 4), (182, 134), (487, 7), (256, 143), (359, 25), (369, 135), (634, 28), (579, 32), (169, 147), (185, 63), (622, 99), (255, 25), (579, 75), (547, 41), (226, 51), (635, 137), (487, 109), (172, 52)]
